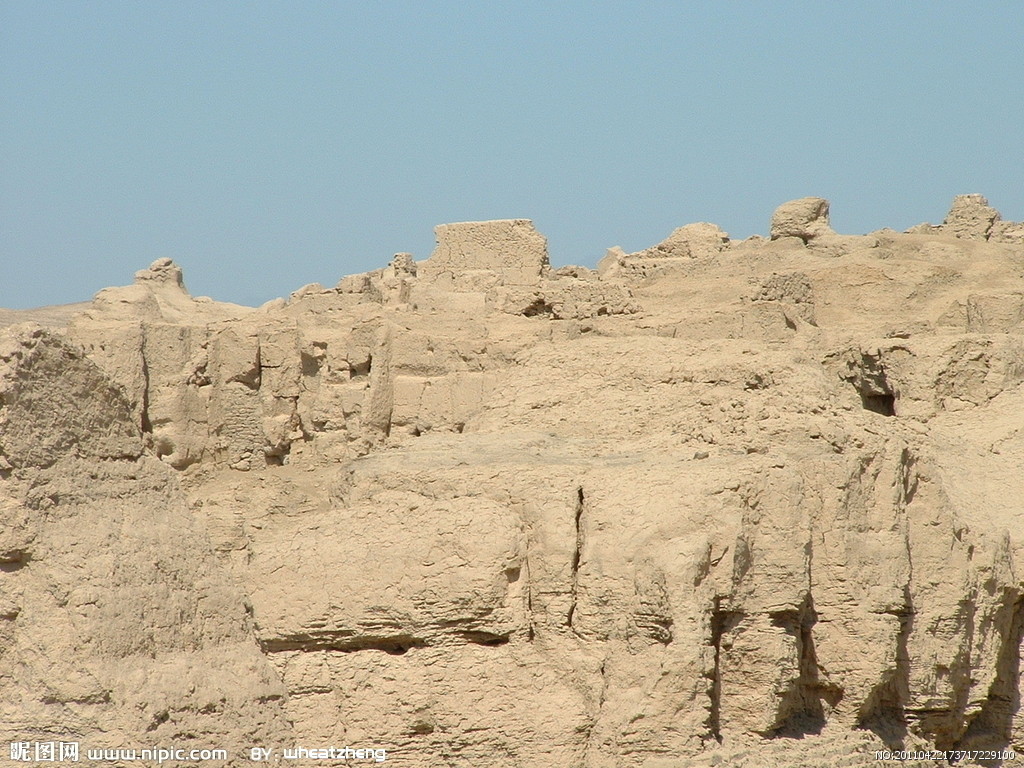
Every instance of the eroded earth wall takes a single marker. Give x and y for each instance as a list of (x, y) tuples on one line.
[(716, 502)]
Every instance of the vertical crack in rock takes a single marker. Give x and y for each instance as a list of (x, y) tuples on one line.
[(884, 711), (909, 480), (804, 710), (380, 398), (528, 589), (715, 710), (992, 727), (722, 622), (576, 557), (145, 424), (592, 725)]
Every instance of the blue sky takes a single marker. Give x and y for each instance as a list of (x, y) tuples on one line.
[(266, 145)]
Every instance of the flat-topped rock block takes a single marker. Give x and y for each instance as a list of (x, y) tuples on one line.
[(511, 248)]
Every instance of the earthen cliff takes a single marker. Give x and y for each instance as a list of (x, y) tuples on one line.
[(749, 502)]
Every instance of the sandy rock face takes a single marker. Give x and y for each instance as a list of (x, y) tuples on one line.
[(970, 217), (162, 272), (806, 218), (55, 402), (694, 241), (118, 626), (716, 502), (511, 250)]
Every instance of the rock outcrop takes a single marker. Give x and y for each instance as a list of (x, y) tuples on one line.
[(806, 218), (509, 252), (118, 627), (972, 218), (693, 241), (715, 503)]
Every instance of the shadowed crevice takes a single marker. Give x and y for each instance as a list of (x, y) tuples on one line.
[(395, 645), (577, 556), (884, 711), (722, 622), (992, 727), (805, 708)]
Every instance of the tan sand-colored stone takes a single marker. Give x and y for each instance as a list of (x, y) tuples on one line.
[(714, 503)]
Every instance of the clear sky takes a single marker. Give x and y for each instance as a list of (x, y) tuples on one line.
[(266, 145)]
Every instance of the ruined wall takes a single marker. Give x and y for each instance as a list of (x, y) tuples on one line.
[(717, 502)]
